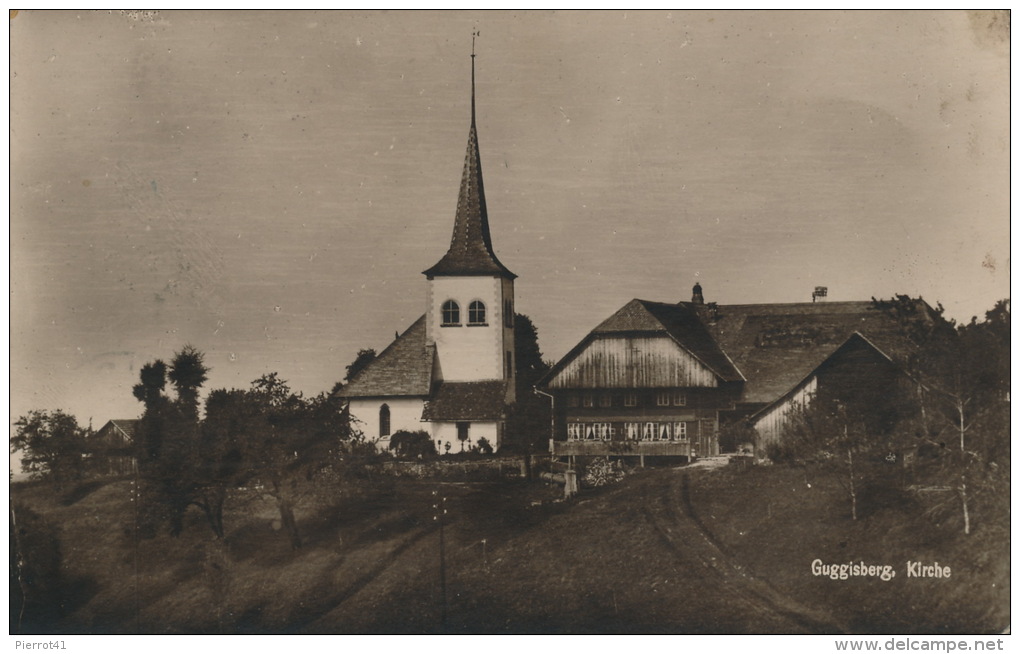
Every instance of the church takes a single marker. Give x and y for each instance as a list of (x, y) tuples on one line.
[(451, 373)]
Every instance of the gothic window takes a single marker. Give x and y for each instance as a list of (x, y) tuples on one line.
[(476, 313), (463, 431), (451, 313), (384, 420), (508, 314)]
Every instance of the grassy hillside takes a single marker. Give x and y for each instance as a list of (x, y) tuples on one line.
[(664, 551)]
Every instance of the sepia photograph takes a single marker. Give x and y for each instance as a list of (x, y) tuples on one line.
[(718, 345)]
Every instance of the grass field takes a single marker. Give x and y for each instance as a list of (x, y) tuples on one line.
[(664, 551)]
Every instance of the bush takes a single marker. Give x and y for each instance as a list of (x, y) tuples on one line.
[(781, 453), (412, 444), (599, 472), (484, 446)]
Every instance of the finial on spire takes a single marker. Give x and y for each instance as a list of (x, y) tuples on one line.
[(474, 34)]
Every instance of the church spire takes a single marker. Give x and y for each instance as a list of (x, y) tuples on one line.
[(470, 250)]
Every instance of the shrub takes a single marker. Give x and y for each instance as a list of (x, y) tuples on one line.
[(781, 453), (484, 446), (412, 444), (599, 472)]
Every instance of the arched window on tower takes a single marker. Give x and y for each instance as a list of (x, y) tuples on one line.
[(451, 313), (476, 313), (384, 421)]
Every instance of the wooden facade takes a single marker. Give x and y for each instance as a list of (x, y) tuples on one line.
[(663, 421), (630, 389), (857, 375), (660, 377), (111, 449), (623, 362)]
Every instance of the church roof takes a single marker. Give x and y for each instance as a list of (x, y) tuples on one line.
[(403, 368), (482, 400), (470, 250)]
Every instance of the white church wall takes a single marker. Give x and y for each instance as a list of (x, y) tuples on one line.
[(468, 352), (405, 414), (446, 432)]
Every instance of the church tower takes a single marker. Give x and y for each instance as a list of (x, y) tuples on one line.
[(452, 373), (470, 293)]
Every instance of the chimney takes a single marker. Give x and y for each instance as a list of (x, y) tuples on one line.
[(820, 292), (696, 296)]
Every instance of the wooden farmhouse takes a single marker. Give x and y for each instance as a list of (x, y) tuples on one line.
[(451, 372), (658, 379), (110, 449)]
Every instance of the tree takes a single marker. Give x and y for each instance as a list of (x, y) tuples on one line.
[(413, 444), (168, 447), (529, 418), (363, 358), (837, 437), (971, 380), (272, 437), (962, 375), (53, 446), (188, 372)]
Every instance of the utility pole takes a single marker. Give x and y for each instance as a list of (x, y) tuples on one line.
[(440, 517)]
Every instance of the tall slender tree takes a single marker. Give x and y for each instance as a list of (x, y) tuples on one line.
[(168, 441)]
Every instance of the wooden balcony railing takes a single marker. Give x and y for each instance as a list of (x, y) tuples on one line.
[(621, 448)]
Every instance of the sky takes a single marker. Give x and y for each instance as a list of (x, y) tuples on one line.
[(268, 186)]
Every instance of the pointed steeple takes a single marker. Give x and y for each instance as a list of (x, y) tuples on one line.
[(470, 250)]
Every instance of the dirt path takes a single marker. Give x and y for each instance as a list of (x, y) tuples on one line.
[(675, 518)]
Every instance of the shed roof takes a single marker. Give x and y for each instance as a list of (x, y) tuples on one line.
[(404, 368), (122, 429)]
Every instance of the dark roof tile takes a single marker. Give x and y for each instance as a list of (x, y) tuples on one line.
[(776, 346), (470, 250), (403, 368), (485, 400)]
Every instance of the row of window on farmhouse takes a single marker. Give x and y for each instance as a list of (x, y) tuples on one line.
[(636, 431), (662, 398)]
